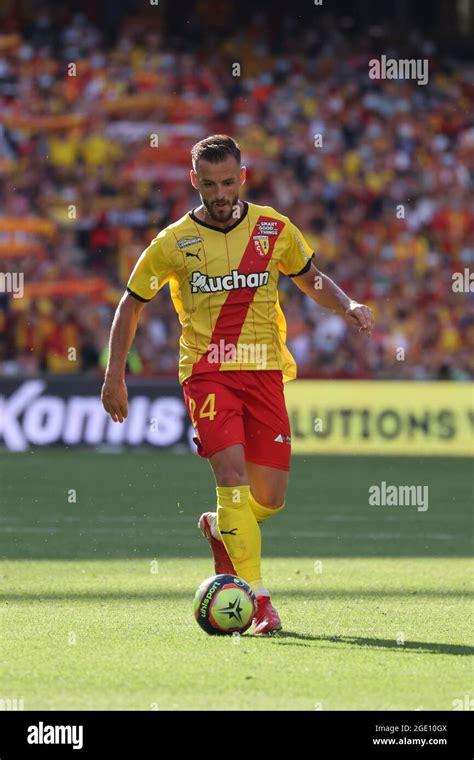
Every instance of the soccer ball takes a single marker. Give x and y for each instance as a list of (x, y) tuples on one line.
[(224, 604)]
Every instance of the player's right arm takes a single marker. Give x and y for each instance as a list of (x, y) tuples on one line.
[(152, 270), (114, 391)]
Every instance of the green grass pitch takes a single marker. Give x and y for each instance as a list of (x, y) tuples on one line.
[(96, 593)]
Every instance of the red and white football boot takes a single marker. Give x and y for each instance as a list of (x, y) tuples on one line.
[(267, 619), (222, 561)]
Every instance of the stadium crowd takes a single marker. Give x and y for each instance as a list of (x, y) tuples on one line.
[(95, 138)]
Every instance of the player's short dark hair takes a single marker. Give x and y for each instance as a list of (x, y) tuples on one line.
[(215, 149)]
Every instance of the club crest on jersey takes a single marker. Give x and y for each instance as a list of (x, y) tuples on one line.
[(262, 244), (233, 281)]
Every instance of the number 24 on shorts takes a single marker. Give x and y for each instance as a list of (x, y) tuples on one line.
[(208, 409)]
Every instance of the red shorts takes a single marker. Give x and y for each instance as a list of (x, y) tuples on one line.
[(240, 406)]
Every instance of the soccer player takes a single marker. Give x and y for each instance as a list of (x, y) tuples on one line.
[(222, 261)]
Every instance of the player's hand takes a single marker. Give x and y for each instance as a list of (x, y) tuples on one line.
[(360, 316), (114, 398)]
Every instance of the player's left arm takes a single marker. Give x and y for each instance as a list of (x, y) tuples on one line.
[(326, 293)]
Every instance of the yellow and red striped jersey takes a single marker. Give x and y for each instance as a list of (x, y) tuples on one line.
[(224, 287)]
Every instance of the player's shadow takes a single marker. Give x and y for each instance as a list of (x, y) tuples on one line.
[(418, 646)]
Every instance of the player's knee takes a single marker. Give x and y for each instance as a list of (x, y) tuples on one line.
[(230, 473), (231, 477), (275, 504), (271, 499), (229, 467)]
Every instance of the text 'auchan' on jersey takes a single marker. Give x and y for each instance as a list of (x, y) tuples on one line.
[(232, 281)]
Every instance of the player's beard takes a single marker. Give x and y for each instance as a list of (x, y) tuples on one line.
[(224, 213)]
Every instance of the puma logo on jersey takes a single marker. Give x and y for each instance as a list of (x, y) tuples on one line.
[(233, 281), (231, 532), (196, 255)]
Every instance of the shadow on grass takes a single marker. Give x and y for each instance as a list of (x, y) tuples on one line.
[(413, 646)]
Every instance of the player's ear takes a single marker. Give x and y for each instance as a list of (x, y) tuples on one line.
[(243, 174), (194, 179)]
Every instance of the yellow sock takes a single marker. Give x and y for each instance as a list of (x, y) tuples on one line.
[(262, 513), (239, 531)]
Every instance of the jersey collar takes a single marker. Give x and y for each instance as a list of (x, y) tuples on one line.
[(219, 229)]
